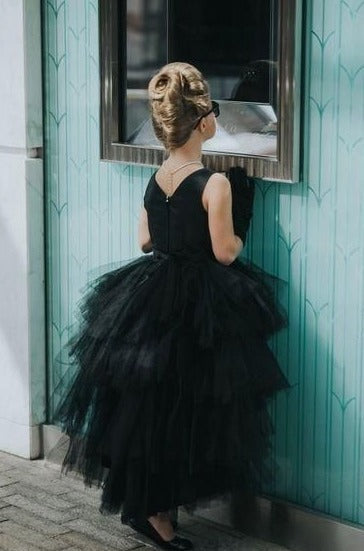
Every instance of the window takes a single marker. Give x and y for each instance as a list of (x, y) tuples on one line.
[(246, 50)]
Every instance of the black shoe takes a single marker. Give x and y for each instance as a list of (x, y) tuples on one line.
[(125, 520), (143, 526)]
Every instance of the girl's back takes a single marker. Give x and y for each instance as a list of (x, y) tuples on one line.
[(181, 222)]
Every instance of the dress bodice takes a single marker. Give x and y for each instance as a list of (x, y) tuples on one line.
[(181, 223)]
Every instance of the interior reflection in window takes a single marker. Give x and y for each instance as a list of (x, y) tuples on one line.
[(234, 46)]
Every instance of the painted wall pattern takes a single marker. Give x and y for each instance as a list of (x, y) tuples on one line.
[(311, 234)]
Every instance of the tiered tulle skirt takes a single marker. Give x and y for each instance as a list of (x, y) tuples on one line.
[(171, 375)]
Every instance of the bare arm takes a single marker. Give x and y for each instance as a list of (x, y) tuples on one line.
[(145, 242), (225, 244)]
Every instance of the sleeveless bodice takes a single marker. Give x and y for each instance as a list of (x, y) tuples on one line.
[(181, 223)]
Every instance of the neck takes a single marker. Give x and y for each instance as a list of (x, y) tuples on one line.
[(190, 152)]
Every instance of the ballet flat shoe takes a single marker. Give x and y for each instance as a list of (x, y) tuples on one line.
[(143, 526), (125, 520)]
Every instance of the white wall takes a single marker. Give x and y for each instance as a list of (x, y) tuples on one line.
[(22, 338)]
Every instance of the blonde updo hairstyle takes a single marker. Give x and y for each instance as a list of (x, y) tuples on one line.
[(178, 95)]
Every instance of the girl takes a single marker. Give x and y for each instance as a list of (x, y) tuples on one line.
[(168, 405)]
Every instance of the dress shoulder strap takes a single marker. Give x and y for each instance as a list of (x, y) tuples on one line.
[(202, 178), (147, 191)]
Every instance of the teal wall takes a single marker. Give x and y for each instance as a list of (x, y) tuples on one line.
[(311, 234)]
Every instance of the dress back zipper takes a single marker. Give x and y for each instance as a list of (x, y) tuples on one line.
[(169, 196), (167, 205)]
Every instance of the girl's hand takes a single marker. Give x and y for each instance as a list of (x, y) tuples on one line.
[(242, 190)]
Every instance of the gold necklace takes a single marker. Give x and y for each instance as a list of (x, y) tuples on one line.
[(171, 175)]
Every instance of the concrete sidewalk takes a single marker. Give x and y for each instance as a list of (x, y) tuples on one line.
[(40, 509)]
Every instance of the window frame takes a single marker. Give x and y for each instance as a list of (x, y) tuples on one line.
[(284, 168)]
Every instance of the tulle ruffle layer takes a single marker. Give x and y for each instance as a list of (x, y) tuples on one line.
[(167, 405)]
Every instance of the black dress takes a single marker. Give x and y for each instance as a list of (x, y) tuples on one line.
[(167, 405)]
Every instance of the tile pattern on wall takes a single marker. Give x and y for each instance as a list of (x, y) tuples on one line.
[(311, 234)]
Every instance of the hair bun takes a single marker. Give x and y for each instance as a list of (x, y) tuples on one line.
[(178, 94), (159, 87), (164, 85)]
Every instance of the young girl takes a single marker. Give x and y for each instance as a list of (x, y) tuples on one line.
[(168, 405)]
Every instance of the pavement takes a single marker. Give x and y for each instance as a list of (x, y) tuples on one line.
[(42, 509)]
